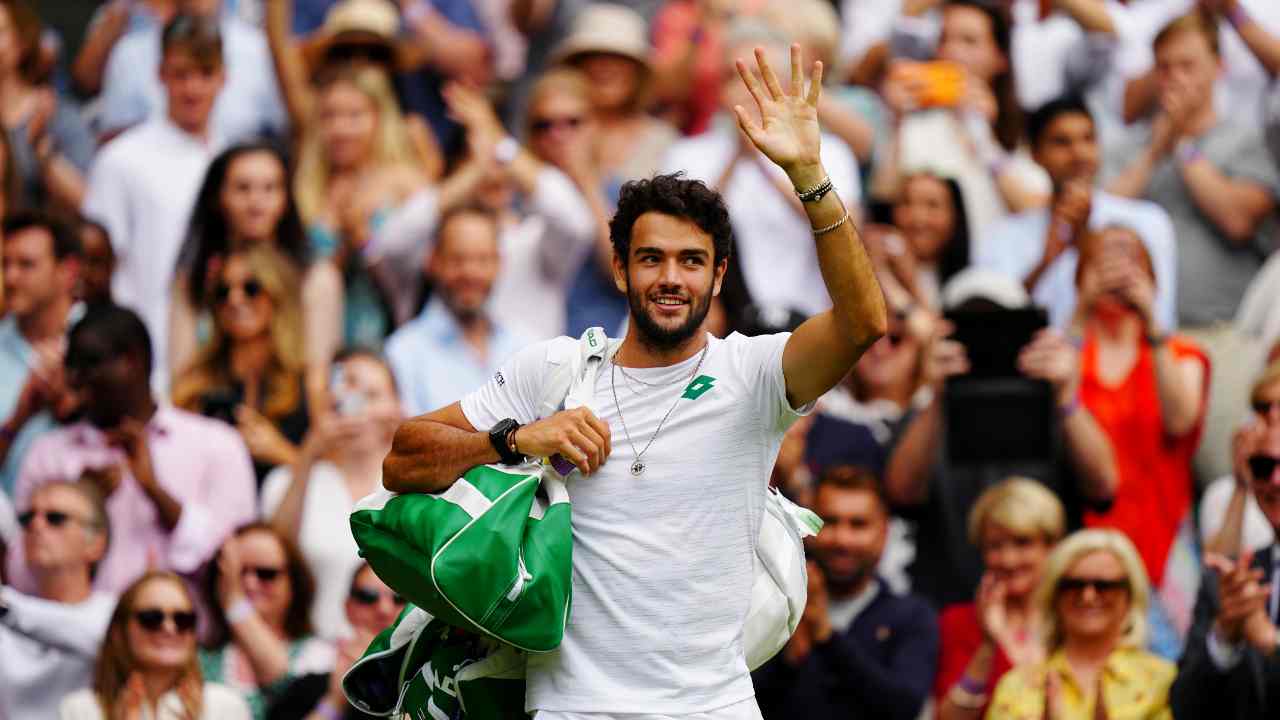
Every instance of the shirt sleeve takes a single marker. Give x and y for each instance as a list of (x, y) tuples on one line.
[(1224, 655), (571, 228), (760, 365), (514, 391), (78, 629), (224, 500)]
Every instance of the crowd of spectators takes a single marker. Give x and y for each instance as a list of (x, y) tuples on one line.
[(243, 239)]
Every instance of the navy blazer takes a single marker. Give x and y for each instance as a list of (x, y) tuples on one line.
[(881, 667), (1249, 691)]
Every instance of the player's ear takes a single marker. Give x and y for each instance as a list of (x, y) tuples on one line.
[(718, 281), (619, 273)]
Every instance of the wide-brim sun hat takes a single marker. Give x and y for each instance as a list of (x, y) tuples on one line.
[(606, 28), (357, 23)]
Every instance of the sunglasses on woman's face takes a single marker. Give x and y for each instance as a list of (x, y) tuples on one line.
[(265, 574), (152, 620), (1265, 407), (1263, 467), (1101, 586), (543, 125), (222, 292), (367, 596)]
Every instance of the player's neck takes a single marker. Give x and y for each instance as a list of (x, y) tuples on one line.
[(635, 352)]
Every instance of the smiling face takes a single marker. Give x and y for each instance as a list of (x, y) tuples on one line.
[(669, 278), (242, 306), (265, 575), (465, 263), (1068, 149), (166, 648), (348, 125), (926, 216), (371, 605), (1016, 559), (1093, 598), (854, 532), (33, 277), (560, 126), (254, 196)]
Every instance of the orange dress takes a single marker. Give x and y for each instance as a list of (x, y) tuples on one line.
[(1155, 482)]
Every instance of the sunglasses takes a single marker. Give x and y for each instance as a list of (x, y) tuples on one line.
[(55, 518), (1262, 467), (265, 574), (222, 291), (1265, 407), (365, 596), (542, 125), (1101, 586), (152, 620)]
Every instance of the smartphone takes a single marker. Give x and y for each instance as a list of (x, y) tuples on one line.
[(993, 339), (940, 83)]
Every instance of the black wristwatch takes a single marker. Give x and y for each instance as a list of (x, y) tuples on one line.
[(500, 438)]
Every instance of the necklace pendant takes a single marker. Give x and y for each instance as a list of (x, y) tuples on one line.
[(637, 468)]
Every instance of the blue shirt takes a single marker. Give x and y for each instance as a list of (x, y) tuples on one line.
[(433, 364), (16, 359), (1016, 244)]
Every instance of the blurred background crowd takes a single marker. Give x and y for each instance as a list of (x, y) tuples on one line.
[(242, 239)]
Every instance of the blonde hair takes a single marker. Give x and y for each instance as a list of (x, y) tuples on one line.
[(116, 661), (212, 367), (559, 80), (1076, 546), (392, 144), (1023, 507), (1270, 376)]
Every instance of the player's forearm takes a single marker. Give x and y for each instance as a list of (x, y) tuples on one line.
[(856, 299), (427, 456)]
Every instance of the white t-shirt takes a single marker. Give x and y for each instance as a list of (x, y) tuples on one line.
[(663, 563), (324, 538)]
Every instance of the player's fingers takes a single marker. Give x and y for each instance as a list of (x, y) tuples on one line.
[(590, 452), (597, 444), (753, 85), (797, 75), (815, 84), (602, 428), (766, 72)]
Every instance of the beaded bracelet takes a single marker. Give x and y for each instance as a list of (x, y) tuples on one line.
[(815, 193)]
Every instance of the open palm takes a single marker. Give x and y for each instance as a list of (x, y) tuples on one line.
[(788, 132)]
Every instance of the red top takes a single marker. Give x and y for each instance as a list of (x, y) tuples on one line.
[(1155, 483), (960, 636)]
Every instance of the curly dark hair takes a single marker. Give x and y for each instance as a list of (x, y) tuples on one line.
[(672, 195)]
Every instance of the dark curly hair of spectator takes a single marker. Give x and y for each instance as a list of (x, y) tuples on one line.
[(671, 195)]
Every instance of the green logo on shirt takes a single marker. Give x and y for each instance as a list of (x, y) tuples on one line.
[(699, 387)]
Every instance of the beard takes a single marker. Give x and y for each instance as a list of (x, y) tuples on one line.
[(658, 337), (841, 583)]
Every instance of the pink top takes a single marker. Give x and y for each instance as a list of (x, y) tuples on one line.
[(202, 463)]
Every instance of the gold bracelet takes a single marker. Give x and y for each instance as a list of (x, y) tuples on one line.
[(824, 230)]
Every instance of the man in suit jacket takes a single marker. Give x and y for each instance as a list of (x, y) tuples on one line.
[(858, 647), (1231, 666)]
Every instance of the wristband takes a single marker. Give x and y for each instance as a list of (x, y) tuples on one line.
[(506, 150), (971, 686), (239, 611), (327, 710), (1071, 408), (966, 700), (1188, 152), (1238, 17)]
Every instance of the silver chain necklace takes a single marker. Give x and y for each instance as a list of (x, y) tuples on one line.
[(637, 466)]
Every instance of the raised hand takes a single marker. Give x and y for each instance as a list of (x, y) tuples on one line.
[(1052, 358), (788, 131), (1242, 594)]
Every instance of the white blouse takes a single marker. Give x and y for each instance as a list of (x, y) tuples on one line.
[(220, 703)]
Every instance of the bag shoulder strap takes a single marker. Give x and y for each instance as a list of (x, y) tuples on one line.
[(573, 375)]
